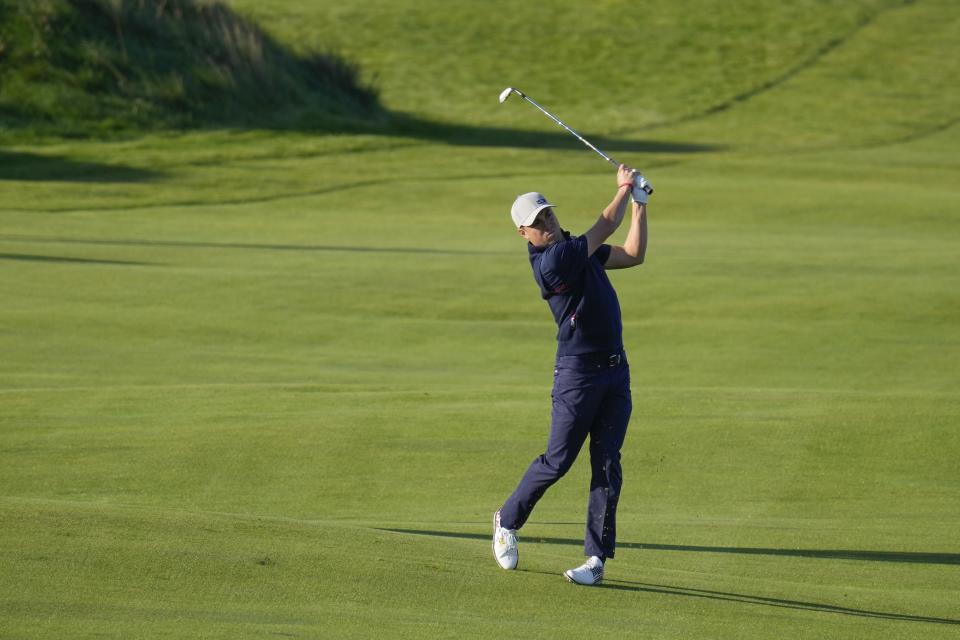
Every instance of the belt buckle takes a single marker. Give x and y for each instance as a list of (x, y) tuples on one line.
[(614, 360)]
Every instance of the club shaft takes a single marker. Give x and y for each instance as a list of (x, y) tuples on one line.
[(564, 125)]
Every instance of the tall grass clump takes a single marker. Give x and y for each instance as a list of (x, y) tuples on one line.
[(88, 67)]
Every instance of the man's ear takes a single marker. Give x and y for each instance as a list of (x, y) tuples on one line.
[(522, 231)]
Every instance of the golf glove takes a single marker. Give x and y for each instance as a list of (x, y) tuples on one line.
[(641, 189)]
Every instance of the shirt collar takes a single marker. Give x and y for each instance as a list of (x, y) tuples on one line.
[(535, 250)]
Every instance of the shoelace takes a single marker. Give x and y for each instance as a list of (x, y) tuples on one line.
[(508, 538)]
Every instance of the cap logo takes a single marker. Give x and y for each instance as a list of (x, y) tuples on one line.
[(542, 200)]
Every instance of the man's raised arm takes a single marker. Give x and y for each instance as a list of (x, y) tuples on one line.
[(635, 248), (612, 215)]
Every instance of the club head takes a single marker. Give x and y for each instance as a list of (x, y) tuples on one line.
[(506, 94)]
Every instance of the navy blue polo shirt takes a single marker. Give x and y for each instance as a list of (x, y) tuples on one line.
[(580, 295)]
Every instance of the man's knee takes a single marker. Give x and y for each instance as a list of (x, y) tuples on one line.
[(602, 455), (556, 465)]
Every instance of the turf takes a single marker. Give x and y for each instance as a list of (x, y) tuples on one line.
[(265, 382)]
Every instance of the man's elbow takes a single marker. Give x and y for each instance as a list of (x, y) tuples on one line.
[(627, 260), (636, 258), (641, 254)]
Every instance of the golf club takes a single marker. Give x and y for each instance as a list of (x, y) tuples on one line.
[(506, 94)]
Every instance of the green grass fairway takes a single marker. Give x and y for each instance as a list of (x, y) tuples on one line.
[(271, 383)]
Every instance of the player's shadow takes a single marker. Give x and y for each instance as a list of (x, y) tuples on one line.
[(672, 590), (33, 167), (627, 585)]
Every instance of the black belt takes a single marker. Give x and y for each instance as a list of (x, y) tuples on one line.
[(598, 359)]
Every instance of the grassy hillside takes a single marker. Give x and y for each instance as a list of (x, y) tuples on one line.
[(767, 75), (811, 73), (270, 382), (86, 68)]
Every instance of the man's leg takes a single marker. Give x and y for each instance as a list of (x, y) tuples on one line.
[(575, 403), (607, 434)]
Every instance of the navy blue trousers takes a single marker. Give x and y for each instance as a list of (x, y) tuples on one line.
[(590, 398)]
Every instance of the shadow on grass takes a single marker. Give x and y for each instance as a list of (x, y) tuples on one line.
[(21, 257), (33, 167), (463, 135), (726, 596), (17, 165), (627, 585), (671, 590), (827, 554), (247, 246)]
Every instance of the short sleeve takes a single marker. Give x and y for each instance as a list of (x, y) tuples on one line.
[(602, 253)]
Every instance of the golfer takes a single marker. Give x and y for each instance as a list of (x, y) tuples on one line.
[(591, 381)]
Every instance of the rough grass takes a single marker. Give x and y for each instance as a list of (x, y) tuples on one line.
[(91, 67)]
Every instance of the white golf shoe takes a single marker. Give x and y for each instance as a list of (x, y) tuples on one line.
[(590, 572), (504, 545)]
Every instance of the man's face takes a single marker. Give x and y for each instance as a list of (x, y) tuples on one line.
[(544, 230)]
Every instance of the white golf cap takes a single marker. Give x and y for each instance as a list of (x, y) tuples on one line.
[(526, 207)]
